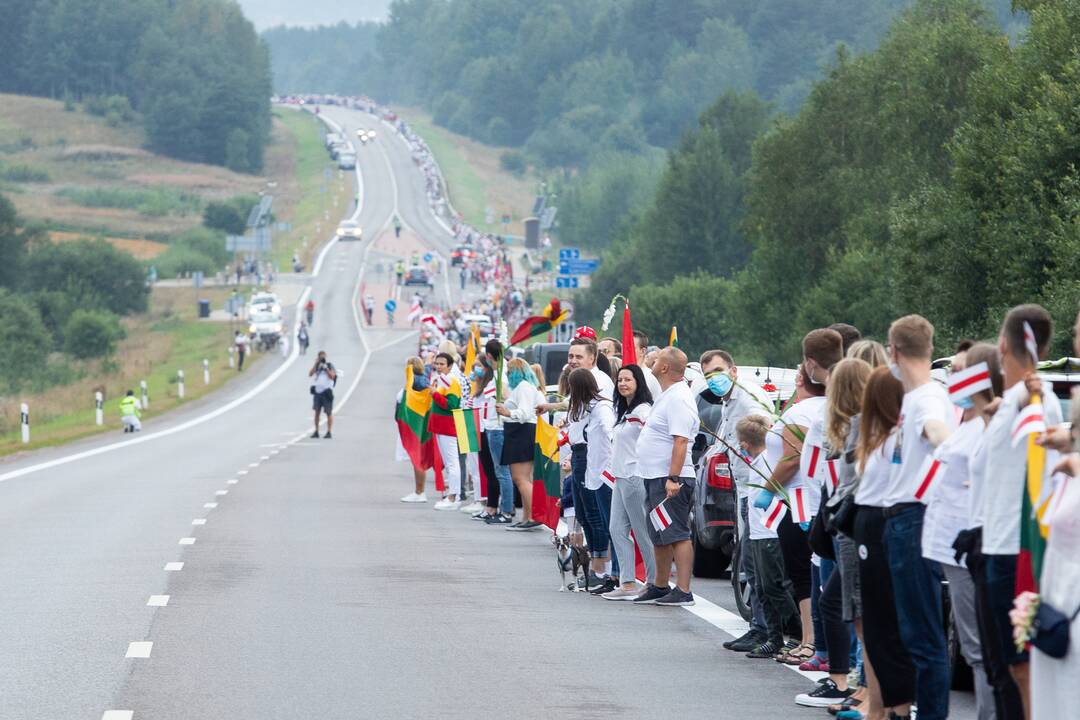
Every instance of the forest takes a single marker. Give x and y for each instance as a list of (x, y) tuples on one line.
[(194, 70)]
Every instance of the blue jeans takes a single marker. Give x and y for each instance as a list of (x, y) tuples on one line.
[(502, 472), (586, 507), (916, 584), (818, 577)]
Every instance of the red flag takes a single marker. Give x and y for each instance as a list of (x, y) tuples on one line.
[(629, 350)]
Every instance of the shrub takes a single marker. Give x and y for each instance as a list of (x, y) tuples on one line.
[(157, 202), (25, 340), (513, 161), (93, 273), (181, 259), (23, 173), (91, 334), (228, 217)]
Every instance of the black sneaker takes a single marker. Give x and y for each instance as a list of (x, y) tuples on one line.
[(650, 595), (825, 694), (524, 526), (764, 651), (499, 519), (594, 581), (315, 434), (609, 583), (327, 436), (482, 515), (747, 642), (676, 598)]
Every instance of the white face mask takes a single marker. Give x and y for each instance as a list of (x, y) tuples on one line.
[(895, 370)]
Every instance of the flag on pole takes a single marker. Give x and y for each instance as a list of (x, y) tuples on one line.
[(536, 325), (629, 350), (774, 513), (547, 476), (660, 517), (434, 321), (930, 471), (1029, 421), (415, 309), (673, 341), (970, 381), (1030, 344), (467, 425), (473, 348)]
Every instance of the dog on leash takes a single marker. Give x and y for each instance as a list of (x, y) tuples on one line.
[(571, 556)]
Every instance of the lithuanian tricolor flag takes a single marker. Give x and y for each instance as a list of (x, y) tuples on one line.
[(1033, 531), (411, 416), (467, 423), (673, 341), (539, 324), (547, 478)]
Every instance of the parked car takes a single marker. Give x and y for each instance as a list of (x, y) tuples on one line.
[(461, 254), (551, 357), (346, 161), (264, 302), (349, 230), (418, 276)]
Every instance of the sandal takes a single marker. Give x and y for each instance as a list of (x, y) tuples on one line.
[(815, 664), (847, 704), (798, 655)]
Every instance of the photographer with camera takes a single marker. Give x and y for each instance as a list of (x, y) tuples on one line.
[(322, 392)]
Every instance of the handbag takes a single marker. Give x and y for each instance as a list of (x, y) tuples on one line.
[(819, 538), (1050, 630)]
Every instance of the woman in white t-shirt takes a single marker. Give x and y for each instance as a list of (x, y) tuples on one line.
[(519, 434), (877, 457), (948, 497), (632, 406)]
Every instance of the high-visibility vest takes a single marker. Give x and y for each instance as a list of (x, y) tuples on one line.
[(129, 406)]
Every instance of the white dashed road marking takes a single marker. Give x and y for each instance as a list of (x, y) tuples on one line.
[(174, 567), (219, 493), (242, 472), (158, 601), (209, 506), (265, 457), (139, 649), (118, 715), (187, 541), (198, 521), (231, 482)]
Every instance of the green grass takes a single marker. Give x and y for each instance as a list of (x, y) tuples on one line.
[(468, 191), (156, 203), (307, 215), (23, 173)]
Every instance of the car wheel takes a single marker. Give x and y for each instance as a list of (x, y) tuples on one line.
[(709, 563), (739, 584)]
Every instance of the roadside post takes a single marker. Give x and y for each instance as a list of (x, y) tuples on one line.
[(232, 360), (180, 384), (99, 412), (24, 413), (145, 395), (206, 371)]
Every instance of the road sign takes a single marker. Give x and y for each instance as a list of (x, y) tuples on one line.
[(391, 305), (570, 282), (506, 219), (569, 254), (428, 257), (547, 218), (197, 279), (578, 267)]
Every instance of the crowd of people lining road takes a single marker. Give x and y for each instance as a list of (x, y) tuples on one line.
[(860, 496)]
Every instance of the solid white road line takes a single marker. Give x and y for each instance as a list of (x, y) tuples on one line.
[(139, 649), (187, 541), (174, 567), (198, 521), (158, 601), (118, 715)]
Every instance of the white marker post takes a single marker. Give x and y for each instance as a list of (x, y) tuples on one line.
[(24, 412), (99, 412), (232, 360), (206, 371), (145, 395), (180, 384)]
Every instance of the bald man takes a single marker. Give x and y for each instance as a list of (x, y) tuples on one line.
[(663, 451)]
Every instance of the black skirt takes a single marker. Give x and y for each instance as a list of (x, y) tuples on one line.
[(518, 441)]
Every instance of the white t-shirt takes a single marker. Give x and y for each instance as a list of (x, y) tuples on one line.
[(877, 474), (624, 442), (576, 428), (323, 381), (1004, 476), (800, 414), (929, 401), (948, 504), (756, 516), (812, 418), (600, 426), (674, 414), (652, 383)]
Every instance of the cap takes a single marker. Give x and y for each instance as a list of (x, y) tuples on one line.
[(585, 332)]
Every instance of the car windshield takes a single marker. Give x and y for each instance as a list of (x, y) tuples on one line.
[(347, 225)]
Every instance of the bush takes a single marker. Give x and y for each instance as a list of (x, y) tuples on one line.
[(23, 173), (178, 260), (91, 334), (513, 161), (114, 108), (157, 202), (229, 217), (25, 340), (92, 273)]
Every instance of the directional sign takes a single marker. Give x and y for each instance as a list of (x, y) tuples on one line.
[(567, 282), (578, 267), (569, 254), (427, 257)]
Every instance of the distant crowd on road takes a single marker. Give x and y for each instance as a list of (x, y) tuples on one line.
[(878, 492)]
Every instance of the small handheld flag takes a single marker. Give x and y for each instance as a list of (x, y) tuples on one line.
[(673, 341), (608, 479), (1029, 421), (1030, 344), (832, 476), (815, 456), (967, 382), (930, 471), (774, 513), (800, 513), (660, 518)]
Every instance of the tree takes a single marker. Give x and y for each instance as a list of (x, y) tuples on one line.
[(91, 334), (25, 340), (92, 273)]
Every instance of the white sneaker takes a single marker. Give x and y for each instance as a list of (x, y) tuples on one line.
[(414, 498), (445, 504), (473, 507)]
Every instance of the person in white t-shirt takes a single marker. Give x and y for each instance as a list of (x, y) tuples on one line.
[(663, 451), (948, 512), (927, 419), (1003, 479)]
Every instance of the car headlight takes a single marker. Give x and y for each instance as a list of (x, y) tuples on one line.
[(278, 328), (251, 329)]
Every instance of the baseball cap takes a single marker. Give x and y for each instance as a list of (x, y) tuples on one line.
[(585, 332)]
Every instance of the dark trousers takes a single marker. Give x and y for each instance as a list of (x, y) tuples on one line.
[(1007, 702), (778, 608), (917, 594), (881, 631), (746, 567), (837, 633), (488, 466), (795, 545)]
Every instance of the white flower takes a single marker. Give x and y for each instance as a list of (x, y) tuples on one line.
[(609, 315)]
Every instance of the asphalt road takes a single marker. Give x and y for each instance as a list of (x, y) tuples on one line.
[(306, 589)]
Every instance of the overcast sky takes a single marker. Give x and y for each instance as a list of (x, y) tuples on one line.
[(268, 13)]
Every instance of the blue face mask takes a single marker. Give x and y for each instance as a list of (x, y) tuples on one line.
[(964, 403), (514, 377), (720, 384)]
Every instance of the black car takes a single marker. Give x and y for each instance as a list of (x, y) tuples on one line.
[(418, 276), (716, 505)]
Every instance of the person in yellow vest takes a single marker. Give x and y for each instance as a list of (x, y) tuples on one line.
[(129, 412)]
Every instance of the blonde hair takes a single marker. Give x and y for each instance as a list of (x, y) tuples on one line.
[(417, 365), (752, 430), (869, 351), (539, 373), (912, 336), (843, 399)]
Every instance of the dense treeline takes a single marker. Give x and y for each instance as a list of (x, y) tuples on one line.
[(340, 59), (937, 174), (195, 69), (59, 301)]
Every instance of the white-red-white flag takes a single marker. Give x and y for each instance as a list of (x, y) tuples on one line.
[(815, 458), (970, 381), (415, 310), (1029, 420), (608, 479), (832, 476), (774, 513), (930, 471), (800, 511), (1030, 344), (660, 518), (434, 321)]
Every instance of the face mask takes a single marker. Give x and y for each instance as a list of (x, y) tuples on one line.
[(810, 376), (720, 384), (475, 375), (964, 403), (514, 377), (895, 370)]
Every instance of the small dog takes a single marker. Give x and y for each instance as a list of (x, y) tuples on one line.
[(571, 555)]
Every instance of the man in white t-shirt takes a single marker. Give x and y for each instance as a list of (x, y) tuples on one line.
[(926, 420), (1002, 478), (663, 452), (641, 348)]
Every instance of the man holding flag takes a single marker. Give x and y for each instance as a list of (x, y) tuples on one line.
[(1004, 508), (446, 398)]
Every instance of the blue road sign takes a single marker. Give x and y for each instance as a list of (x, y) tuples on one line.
[(391, 306), (578, 267), (427, 257), (569, 254), (567, 282)]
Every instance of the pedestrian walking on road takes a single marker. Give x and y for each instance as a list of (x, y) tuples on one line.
[(303, 338), (322, 392), (369, 309), (399, 271), (397, 226), (241, 341), (309, 311), (129, 412)]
